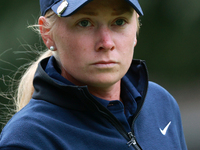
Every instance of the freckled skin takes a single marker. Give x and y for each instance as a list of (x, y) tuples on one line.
[(100, 54)]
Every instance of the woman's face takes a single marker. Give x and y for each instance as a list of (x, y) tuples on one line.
[(95, 45)]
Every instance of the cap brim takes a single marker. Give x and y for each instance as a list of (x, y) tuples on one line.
[(75, 5), (135, 4)]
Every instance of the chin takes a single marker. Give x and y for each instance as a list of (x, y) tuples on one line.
[(103, 82)]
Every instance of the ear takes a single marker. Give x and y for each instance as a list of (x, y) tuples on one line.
[(135, 41), (44, 31)]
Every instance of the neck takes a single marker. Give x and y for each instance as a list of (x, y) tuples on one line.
[(107, 93)]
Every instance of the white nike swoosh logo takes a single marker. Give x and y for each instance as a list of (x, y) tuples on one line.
[(164, 131)]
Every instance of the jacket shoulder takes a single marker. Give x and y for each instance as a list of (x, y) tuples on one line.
[(24, 129), (159, 110), (160, 94)]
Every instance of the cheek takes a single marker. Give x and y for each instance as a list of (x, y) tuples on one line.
[(127, 50), (126, 45), (73, 56)]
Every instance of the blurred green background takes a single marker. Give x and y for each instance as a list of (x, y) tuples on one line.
[(169, 41)]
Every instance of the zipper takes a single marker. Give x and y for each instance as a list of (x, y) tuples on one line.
[(133, 141), (130, 137), (111, 118), (144, 92)]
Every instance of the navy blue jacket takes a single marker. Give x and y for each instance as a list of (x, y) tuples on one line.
[(65, 116)]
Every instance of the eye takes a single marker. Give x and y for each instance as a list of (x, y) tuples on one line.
[(84, 23), (120, 22)]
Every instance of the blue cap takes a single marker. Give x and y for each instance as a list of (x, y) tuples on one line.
[(64, 8)]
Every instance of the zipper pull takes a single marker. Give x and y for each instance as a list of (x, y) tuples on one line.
[(133, 141)]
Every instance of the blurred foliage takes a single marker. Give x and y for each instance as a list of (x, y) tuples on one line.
[(169, 40), (17, 44)]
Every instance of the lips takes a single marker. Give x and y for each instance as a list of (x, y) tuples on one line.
[(105, 64)]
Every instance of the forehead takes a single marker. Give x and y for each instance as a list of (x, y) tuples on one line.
[(117, 7)]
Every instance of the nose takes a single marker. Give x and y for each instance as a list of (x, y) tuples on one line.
[(104, 39)]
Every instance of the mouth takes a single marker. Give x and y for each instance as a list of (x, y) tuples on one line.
[(105, 64)]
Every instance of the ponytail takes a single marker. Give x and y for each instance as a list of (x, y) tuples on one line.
[(25, 88)]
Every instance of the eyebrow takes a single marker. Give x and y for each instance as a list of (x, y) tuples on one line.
[(90, 13), (122, 11), (117, 12)]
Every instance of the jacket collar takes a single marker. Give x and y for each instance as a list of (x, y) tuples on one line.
[(52, 87)]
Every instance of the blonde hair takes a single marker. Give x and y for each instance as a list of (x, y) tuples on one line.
[(25, 86)]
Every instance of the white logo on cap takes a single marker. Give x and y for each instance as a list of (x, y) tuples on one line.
[(62, 7)]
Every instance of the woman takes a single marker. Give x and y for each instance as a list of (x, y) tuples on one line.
[(91, 94)]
